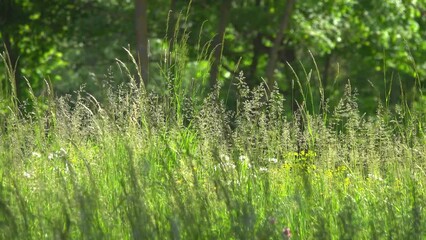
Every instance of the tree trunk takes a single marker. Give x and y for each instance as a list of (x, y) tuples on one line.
[(141, 8), (257, 45), (171, 25), (273, 54), (225, 9)]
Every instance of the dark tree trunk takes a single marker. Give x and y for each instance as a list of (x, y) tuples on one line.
[(141, 8), (171, 25), (225, 9), (257, 49), (273, 54)]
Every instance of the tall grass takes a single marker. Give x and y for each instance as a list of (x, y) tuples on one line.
[(142, 166)]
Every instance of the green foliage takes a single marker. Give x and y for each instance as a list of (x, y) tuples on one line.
[(172, 161), (131, 168), (377, 45), (30, 32)]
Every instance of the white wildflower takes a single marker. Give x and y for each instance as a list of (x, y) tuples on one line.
[(62, 152), (245, 161), (236, 182), (231, 165), (243, 158), (263, 169), (272, 160), (228, 165), (36, 154), (27, 175), (224, 157), (51, 156), (374, 177)]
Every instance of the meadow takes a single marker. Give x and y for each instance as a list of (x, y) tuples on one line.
[(146, 166)]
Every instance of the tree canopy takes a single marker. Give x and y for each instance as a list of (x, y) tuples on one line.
[(377, 45)]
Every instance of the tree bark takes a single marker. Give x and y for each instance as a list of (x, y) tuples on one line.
[(273, 54), (141, 8), (225, 9)]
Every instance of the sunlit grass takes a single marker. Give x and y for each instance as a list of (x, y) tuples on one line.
[(139, 167)]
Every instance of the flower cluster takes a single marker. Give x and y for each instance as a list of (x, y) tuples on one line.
[(227, 164), (57, 154)]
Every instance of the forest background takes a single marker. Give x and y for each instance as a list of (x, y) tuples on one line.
[(262, 119), (379, 46)]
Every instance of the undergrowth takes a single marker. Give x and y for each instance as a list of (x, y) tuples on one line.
[(147, 166)]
